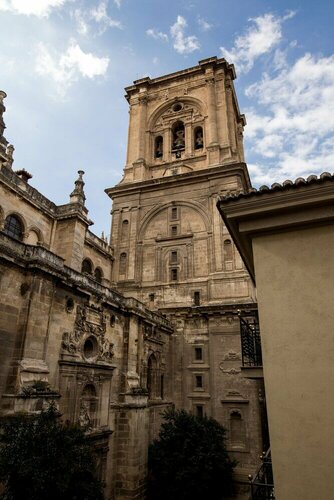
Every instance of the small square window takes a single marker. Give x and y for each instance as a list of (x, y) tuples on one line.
[(173, 230), (198, 353), (199, 381), (199, 410), (174, 274), (197, 298), (173, 256)]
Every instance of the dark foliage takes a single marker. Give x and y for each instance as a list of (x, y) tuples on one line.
[(41, 459), (189, 461)]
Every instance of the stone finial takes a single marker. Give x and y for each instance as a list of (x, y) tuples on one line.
[(78, 195), (9, 152), (3, 95)]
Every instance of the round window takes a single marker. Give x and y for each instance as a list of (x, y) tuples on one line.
[(177, 107), (90, 348)]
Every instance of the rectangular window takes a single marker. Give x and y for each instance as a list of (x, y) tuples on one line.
[(173, 256), (173, 230), (174, 213), (197, 298), (198, 353), (174, 274), (199, 381), (199, 410), (151, 297)]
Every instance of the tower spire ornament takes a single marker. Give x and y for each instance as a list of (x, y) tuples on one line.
[(78, 195)]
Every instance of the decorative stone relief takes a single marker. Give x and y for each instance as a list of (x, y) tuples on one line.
[(232, 356), (230, 371), (88, 337)]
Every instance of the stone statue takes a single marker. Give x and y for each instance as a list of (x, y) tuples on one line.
[(199, 139), (84, 418), (179, 139)]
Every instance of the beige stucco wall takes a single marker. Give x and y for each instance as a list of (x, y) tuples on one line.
[(295, 283)]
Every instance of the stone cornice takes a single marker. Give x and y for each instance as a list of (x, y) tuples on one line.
[(196, 176), (177, 75)]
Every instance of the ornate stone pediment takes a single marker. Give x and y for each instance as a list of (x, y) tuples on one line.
[(88, 339)]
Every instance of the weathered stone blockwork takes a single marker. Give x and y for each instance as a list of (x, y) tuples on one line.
[(120, 331)]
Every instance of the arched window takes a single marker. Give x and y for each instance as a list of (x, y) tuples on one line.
[(14, 227), (125, 229), (122, 263), (228, 254), (98, 274), (198, 138), (152, 376), (158, 147), (178, 136), (87, 267)]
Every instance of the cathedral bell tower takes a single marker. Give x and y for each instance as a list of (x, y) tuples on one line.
[(172, 250), (183, 122)]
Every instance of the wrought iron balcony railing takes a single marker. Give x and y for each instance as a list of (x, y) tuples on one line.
[(250, 341), (262, 485)]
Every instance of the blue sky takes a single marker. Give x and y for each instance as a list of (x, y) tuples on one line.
[(64, 65)]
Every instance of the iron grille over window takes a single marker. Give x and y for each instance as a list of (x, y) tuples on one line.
[(250, 342), (13, 227)]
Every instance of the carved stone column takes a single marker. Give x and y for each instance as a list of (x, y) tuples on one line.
[(230, 116), (188, 140), (210, 85), (142, 126), (166, 144)]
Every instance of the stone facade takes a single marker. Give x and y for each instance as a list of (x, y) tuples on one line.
[(172, 250), (116, 332)]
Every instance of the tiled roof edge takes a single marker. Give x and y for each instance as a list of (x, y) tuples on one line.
[(284, 186)]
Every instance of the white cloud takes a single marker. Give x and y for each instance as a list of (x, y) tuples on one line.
[(157, 35), (39, 8), (293, 125), (68, 67), (203, 24), (183, 44), (82, 25), (118, 3), (260, 38), (100, 15)]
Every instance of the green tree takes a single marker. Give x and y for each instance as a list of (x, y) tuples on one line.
[(189, 460), (42, 459)]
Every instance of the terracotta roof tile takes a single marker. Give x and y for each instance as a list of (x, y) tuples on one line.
[(288, 184)]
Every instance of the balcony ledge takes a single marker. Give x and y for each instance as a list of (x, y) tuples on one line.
[(252, 372)]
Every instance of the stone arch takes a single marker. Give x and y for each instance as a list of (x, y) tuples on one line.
[(152, 374), (197, 103), (87, 266), (34, 234), (156, 210), (168, 264), (88, 406)]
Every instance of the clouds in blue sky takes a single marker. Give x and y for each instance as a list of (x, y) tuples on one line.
[(64, 64)]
